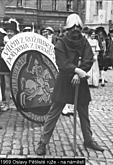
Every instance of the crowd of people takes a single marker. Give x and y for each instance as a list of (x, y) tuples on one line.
[(94, 46), (100, 42), (102, 47)]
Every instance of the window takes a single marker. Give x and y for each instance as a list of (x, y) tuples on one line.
[(39, 4), (19, 3), (98, 6), (69, 5), (54, 5)]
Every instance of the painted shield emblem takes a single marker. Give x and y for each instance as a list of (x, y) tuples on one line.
[(33, 77)]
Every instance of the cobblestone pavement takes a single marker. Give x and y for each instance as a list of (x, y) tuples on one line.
[(19, 136)]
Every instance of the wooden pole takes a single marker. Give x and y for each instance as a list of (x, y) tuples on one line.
[(75, 117), (75, 112)]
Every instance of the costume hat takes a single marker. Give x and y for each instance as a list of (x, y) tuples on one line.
[(101, 29), (12, 24), (73, 19), (86, 30), (27, 28), (49, 28)]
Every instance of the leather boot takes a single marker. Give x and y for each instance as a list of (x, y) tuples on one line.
[(41, 150), (93, 145)]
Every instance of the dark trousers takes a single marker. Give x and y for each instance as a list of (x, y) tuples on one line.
[(52, 118), (3, 87)]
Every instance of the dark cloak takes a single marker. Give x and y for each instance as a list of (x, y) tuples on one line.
[(67, 52)]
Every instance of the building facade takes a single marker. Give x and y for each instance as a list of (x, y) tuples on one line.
[(42, 12), (99, 13)]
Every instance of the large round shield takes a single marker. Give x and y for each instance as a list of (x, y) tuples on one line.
[(33, 72)]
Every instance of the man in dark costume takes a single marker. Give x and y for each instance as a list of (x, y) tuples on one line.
[(68, 50)]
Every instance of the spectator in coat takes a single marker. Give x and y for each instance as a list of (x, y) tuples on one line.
[(2, 80), (109, 52), (2, 85), (85, 32), (94, 71), (67, 51), (50, 33), (102, 40)]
